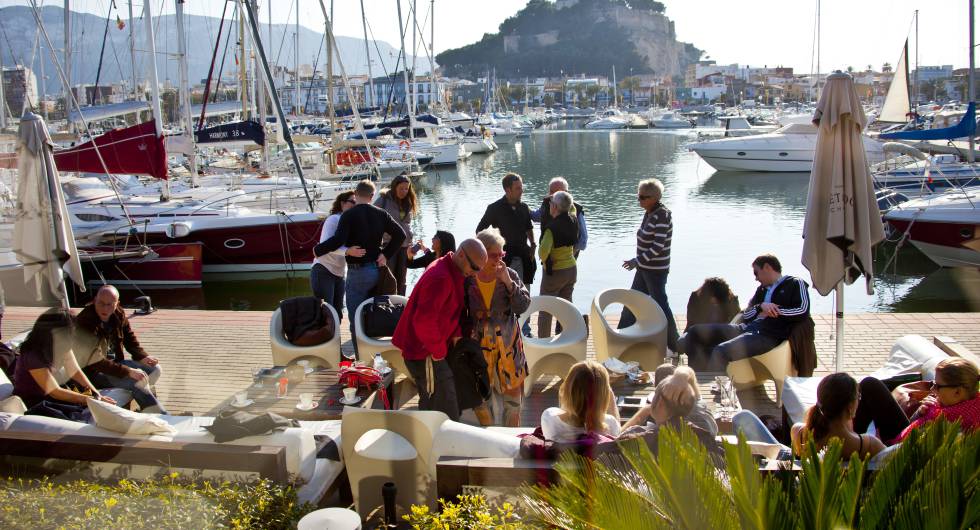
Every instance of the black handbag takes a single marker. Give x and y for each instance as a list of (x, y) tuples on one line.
[(381, 317)]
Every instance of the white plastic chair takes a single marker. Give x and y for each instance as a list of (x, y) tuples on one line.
[(555, 354), (644, 342), (283, 352), (367, 347), (776, 364), (390, 446)]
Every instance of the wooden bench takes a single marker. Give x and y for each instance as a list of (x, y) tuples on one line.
[(265, 460), (453, 473)]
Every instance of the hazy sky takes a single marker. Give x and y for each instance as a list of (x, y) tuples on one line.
[(753, 32)]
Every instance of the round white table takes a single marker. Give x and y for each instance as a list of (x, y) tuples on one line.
[(330, 518)]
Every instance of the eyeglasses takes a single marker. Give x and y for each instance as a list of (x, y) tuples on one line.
[(936, 386), (350, 201), (473, 266), (496, 255), (642, 197)]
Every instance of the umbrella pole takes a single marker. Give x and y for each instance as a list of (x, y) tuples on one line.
[(839, 306)]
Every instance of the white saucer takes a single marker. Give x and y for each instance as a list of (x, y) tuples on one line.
[(351, 402), (309, 370), (312, 406), (243, 404), (386, 371)]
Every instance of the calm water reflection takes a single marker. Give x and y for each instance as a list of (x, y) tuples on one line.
[(721, 222)]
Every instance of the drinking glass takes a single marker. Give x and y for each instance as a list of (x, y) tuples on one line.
[(257, 377)]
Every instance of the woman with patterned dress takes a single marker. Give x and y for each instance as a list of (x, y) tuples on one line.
[(494, 299)]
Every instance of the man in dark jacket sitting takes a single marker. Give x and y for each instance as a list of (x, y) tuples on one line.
[(778, 304), (107, 366)]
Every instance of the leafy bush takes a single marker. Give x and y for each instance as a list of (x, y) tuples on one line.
[(931, 481), (471, 512), (171, 502)]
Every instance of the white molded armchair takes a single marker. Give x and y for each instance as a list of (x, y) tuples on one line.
[(555, 354), (390, 446), (368, 346), (283, 352), (644, 342)]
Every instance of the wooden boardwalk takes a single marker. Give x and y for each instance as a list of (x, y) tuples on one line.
[(207, 356)]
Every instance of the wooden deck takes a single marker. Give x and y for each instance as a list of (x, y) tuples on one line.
[(207, 356)]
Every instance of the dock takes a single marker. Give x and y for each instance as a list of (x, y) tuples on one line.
[(207, 356)]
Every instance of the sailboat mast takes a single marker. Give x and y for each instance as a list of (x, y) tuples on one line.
[(401, 31), (970, 79), (270, 88), (132, 52), (67, 51), (615, 99), (296, 64), (260, 95), (915, 80), (154, 83), (332, 153), (367, 54), (415, 48), (185, 97), (44, 81), (3, 98), (433, 99)]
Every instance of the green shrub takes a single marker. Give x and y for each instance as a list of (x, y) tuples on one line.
[(471, 512), (170, 502)]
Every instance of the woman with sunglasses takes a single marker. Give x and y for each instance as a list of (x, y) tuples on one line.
[(400, 202), (832, 417), (495, 297), (952, 396), (327, 274)]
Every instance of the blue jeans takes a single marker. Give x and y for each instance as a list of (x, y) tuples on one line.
[(654, 284), (360, 282), (328, 287), (746, 422), (143, 398)]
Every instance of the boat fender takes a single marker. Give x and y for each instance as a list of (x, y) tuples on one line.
[(178, 230)]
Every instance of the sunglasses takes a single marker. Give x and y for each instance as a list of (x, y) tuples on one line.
[(496, 255), (643, 197), (473, 266), (936, 386), (351, 201)]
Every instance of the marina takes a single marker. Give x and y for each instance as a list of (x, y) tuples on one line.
[(574, 273)]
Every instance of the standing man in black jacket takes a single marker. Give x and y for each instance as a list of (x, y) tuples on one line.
[(513, 218), (363, 225), (780, 302)]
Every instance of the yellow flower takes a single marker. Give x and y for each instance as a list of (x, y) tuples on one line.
[(110, 502)]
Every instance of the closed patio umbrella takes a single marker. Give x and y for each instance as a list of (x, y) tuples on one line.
[(43, 241), (842, 220)]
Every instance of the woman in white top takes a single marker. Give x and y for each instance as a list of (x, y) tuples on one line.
[(329, 270), (586, 405)]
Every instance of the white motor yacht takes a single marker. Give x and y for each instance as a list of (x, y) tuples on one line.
[(670, 120), (788, 149), (609, 119)]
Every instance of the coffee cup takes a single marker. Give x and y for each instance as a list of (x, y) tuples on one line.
[(350, 393), (241, 397), (306, 400)]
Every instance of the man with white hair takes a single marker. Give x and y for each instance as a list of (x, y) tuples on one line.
[(543, 215), (652, 261), (104, 319)]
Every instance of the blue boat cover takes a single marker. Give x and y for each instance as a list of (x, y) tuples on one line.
[(966, 127)]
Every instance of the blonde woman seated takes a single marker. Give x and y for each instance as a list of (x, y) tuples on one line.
[(832, 417), (698, 415), (586, 406)]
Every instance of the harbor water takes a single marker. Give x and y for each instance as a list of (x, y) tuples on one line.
[(721, 222)]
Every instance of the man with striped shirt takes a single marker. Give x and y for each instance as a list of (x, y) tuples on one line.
[(652, 261), (780, 302)]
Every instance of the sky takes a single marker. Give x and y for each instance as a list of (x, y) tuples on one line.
[(749, 32)]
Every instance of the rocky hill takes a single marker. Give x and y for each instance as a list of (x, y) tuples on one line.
[(571, 37), (19, 28)]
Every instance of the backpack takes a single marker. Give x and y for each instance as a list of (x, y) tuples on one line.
[(381, 317)]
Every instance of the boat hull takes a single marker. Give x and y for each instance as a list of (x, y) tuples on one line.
[(758, 160), (273, 243), (946, 244), (171, 264)]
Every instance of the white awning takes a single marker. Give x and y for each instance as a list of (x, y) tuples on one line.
[(102, 112)]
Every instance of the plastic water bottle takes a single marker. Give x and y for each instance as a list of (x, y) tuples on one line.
[(379, 362), (682, 360)]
